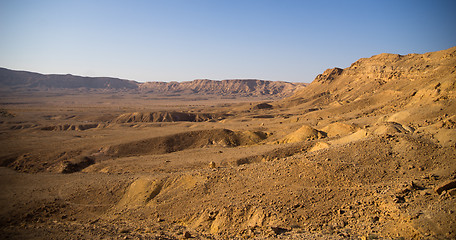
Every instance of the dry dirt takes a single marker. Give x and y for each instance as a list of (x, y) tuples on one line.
[(366, 152)]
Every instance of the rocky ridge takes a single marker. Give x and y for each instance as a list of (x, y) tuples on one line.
[(384, 78), (244, 87), (21, 80)]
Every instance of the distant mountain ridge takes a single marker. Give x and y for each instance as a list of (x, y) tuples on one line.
[(23, 80), (245, 87)]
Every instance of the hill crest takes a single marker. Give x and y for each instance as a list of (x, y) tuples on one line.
[(383, 79)]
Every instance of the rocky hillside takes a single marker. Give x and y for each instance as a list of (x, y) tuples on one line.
[(20, 80), (422, 84), (431, 74)]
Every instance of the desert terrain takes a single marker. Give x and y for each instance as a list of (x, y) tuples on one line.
[(365, 152)]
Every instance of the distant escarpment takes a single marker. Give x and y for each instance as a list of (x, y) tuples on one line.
[(21, 80), (243, 87)]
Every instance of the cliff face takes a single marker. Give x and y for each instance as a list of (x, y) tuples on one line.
[(385, 79), (244, 87), (19, 80)]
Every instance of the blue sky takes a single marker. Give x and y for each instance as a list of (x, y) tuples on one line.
[(179, 40)]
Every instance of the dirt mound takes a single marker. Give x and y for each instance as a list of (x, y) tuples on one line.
[(75, 165), (319, 146), (163, 117), (139, 193), (71, 127), (401, 117), (186, 140), (251, 137), (361, 134), (392, 128), (302, 134), (357, 136), (262, 106), (338, 129)]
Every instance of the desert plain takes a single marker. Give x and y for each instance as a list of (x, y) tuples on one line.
[(365, 152)]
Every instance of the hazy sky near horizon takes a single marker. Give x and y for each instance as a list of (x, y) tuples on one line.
[(179, 40)]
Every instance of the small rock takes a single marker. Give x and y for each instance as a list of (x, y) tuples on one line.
[(403, 189), (375, 219), (337, 224), (212, 164), (399, 199), (278, 230), (124, 230), (187, 234), (426, 192), (369, 237), (94, 221), (416, 186), (434, 177), (373, 236), (452, 192)]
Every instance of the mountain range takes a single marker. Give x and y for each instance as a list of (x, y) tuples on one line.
[(22, 80)]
